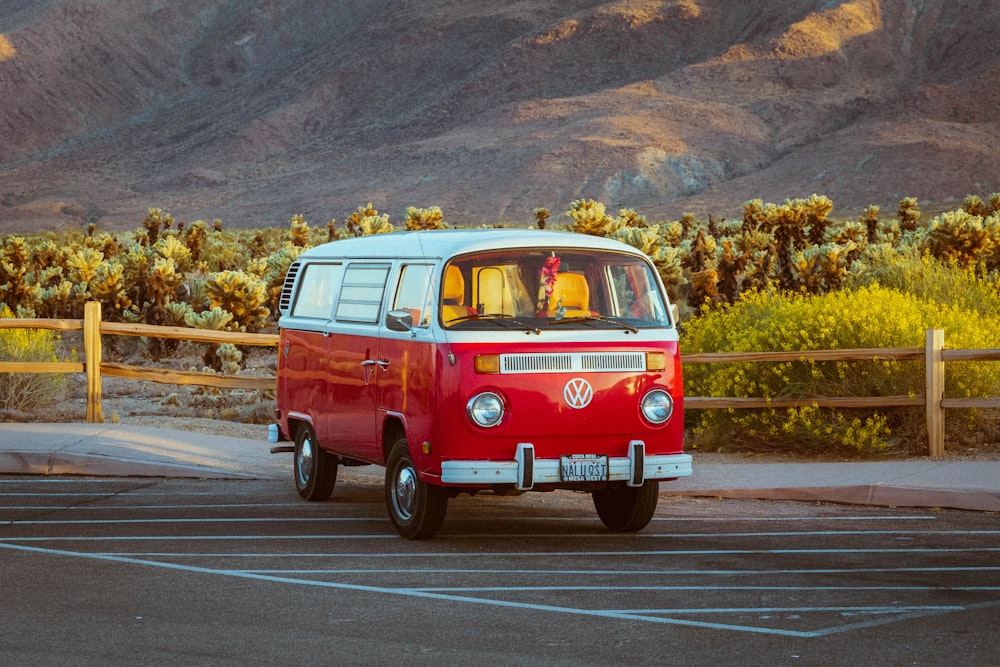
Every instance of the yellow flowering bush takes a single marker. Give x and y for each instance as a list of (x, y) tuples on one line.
[(865, 317), (26, 392)]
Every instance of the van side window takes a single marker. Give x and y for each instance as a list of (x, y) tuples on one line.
[(361, 292), (635, 295), (414, 292), (315, 298)]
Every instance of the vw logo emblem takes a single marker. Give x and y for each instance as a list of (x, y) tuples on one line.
[(578, 393)]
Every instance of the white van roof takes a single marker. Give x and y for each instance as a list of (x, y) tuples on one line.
[(445, 243)]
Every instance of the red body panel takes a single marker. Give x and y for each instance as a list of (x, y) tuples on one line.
[(421, 386), (537, 413)]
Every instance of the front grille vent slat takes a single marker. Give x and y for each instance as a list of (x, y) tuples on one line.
[(591, 362)]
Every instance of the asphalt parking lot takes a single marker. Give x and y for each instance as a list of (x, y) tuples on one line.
[(141, 571)]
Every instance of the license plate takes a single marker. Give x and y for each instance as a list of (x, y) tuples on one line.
[(583, 468)]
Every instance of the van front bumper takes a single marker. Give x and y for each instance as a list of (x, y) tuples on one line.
[(525, 471)]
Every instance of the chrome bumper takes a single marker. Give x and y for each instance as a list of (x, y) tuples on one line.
[(525, 471)]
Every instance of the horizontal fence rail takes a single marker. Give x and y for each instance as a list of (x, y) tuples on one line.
[(933, 354)]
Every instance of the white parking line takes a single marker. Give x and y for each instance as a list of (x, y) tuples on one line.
[(644, 615), (118, 508), (618, 573)]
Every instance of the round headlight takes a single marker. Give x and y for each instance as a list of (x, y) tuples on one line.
[(485, 409), (657, 406)]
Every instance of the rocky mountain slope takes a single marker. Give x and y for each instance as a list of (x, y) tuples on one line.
[(253, 110)]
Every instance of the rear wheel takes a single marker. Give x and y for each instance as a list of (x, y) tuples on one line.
[(416, 508), (315, 469), (627, 509)]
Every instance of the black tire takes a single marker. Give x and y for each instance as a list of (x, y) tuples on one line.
[(416, 508), (626, 509), (314, 469)]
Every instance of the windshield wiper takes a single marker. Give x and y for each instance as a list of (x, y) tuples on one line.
[(587, 319), (497, 318)]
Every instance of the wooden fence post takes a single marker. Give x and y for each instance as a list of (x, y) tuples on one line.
[(92, 359), (934, 392)]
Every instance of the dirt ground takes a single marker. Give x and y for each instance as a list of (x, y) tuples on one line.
[(252, 112)]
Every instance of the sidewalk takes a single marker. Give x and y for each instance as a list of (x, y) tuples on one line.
[(121, 450)]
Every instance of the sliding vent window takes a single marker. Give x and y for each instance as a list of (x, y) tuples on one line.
[(361, 293)]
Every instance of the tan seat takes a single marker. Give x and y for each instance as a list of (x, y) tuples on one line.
[(572, 293), (453, 295), (491, 291)]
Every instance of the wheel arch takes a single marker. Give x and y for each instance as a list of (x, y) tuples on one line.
[(393, 428), (295, 422)]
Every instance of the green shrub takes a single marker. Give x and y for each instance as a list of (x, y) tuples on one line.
[(906, 270), (29, 392), (865, 317)]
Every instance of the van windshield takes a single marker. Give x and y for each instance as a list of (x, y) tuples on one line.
[(541, 287)]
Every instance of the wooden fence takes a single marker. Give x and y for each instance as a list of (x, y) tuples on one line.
[(933, 354), (933, 401), (95, 367)]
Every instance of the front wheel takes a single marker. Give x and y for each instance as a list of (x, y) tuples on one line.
[(315, 469), (627, 509), (416, 508)]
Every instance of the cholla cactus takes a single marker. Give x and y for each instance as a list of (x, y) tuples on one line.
[(216, 319), (822, 269), (870, 220), (974, 205), (672, 232), (817, 208), (964, 238), (704, 287), (629, 217), (425, 218), (754, 215), (994, 202), (83, 265), (729, 266), (299, 231), (108, 287), (908, 214), (240, 294), (195, 238), (177, 312), (366, 221), (170, 247), (700, 252), (541, 216), (230, 358), (155, 221), (590, 217), (162, 281)]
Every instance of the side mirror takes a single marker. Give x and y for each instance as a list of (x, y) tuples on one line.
[(399, 320)]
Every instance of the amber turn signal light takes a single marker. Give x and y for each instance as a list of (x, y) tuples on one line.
[(656, 361), (488, 363)]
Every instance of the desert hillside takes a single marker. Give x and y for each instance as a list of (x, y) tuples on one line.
[(253, 111)]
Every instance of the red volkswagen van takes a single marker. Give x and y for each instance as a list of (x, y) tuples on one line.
[(489, 359)]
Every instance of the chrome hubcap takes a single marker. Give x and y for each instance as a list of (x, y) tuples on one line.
[(304, 464), (405, 493)]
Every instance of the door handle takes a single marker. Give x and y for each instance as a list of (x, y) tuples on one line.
[(381, 363)]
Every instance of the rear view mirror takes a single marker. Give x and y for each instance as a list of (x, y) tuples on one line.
[(399, 320)]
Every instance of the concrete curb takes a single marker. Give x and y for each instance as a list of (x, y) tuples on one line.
[(876, 495), (101, 465)]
